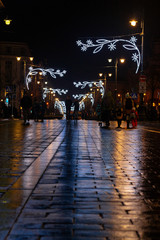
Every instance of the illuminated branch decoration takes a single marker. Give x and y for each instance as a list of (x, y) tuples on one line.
[(90, 84), (53, 90), (127, 44), (60, 105), (35, 71)]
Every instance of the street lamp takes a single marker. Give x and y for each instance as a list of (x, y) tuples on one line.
[(105, 79), (133, 23), (121, 60), (25, 64), (7, 21)]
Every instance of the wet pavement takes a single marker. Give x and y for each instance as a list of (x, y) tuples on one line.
[(67, 180)]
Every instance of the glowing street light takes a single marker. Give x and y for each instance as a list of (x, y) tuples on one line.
[(122, 60), (133, 22), (7, 21)]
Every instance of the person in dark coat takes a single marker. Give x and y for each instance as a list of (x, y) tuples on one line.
[(26, 104), (76, 109), (128, 108), (107, 106), (68, 104)]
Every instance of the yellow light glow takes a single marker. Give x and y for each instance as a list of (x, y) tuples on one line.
[(100, 74), (18, 58), (31, 59), (133, 22), (110, 60), (122, 60), (154, 104), (7, 21), (38, 82), (110, 74)]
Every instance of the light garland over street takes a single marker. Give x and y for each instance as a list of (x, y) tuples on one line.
[(35, 71), (112, 45)]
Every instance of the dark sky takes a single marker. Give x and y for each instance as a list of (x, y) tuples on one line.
[(52, 28)]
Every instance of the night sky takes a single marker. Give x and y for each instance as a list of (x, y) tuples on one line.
[(51, 28)]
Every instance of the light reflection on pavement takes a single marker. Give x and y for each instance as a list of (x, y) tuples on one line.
[(105, 178)]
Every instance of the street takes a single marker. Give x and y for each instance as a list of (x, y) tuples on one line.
[(66, 180)]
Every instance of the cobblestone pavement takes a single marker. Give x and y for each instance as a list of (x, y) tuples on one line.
[(66, 180)]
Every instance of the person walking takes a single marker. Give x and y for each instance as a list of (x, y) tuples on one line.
[(107, 106), (76, 109), (128, 107), (134, 117), (68, 104), (119, 114), (26, 104)]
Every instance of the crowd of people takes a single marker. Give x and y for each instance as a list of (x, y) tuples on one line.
[(38, 109), (105, 109), (122, 110)]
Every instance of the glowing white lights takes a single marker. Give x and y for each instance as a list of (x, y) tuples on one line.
[(53, 90), (43, 72), (90, 84), (127, 44), (60, 105)]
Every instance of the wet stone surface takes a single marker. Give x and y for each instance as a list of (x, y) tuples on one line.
[(67, 180)]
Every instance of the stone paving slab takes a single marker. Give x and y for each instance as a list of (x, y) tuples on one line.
[(85, 182)]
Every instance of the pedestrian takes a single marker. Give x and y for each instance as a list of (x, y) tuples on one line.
[(128, 107), (119, 114), (26, 104), (68, 104), (36, 110), (42, 109), (134, 117), (107, 106), (76, 109)]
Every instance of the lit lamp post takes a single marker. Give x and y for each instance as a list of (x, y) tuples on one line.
[(105, 80), (25, 60), (142, 80), (133, 23), (121, 60)]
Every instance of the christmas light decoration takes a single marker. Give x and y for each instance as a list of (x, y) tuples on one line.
[(43, 72), (112, 45), (60, 105), (53, 90), (90, 84)]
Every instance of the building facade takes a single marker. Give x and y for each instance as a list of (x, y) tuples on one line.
[(12, 73)]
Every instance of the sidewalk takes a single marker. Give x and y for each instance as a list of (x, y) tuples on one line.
[(78, 181)]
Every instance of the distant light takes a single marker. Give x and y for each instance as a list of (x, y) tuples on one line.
[(100, 74), (133, 22), (18, 58), (7, 21), (122, 60), (31, 58), (110, 60), (110, 74)]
